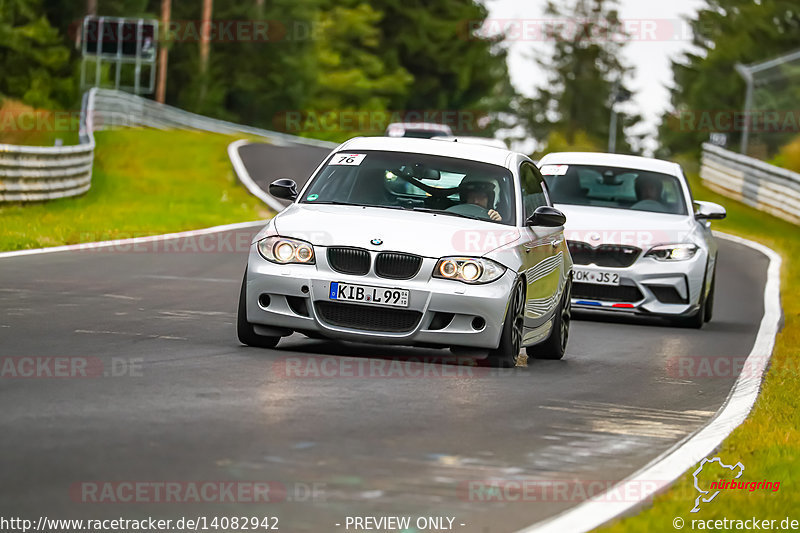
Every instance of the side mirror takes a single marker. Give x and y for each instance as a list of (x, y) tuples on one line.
[(284, 188), (709, 211), (546, 216)]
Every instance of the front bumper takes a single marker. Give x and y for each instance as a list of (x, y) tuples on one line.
[(647, 287), (450, 313)]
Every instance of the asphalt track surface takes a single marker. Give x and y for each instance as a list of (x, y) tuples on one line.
[(185, 402)]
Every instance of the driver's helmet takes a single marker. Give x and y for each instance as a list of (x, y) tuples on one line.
[(480, 185)]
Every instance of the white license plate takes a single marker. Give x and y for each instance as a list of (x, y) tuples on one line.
[(347, 292), (598, 277)]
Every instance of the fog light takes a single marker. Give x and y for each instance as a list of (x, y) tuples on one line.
[(478, 323), (264, 300)]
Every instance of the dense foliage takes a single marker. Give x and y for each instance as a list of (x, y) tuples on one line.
[(726, 32)]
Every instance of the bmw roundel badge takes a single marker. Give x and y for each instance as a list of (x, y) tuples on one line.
[(376, 242)]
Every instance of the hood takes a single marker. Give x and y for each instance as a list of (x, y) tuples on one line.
[(605, 225), (426, 234)]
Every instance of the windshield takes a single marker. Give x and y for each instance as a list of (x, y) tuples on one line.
[(621, 188), (399, 180)]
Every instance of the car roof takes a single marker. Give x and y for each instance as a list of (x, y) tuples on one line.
[(467, 139), (611, 160), (432, 126), (472, 152)]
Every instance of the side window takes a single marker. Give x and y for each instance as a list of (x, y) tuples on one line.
[(533, 189)]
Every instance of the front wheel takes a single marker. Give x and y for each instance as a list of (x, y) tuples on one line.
[(244, 329), (699, 317), (505, 355), (556, 344), (710, 299)]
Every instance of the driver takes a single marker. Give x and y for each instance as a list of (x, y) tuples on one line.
[(648, 193), (480, 193), (648, 188)]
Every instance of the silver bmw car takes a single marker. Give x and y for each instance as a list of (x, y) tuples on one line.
[(414, 242), (639, 242)]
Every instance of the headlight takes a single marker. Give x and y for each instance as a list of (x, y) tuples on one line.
[(284, 251), (672, 252), (471, 270)]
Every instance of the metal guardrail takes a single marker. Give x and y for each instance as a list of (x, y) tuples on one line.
[(33, 173), (37, 173), (120, 109), (766, 187)]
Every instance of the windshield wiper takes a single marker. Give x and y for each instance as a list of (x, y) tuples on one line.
[(448, 213), (335, 202), (328, 202)]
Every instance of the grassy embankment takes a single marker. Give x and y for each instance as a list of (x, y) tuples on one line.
[(768, 442), (145, 182)]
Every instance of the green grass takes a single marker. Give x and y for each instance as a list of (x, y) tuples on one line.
[(768, 442), (23, 125), (145, 182)]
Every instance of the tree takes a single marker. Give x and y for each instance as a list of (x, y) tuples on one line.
[(354, 86), (583, 69), (725, 32), (454, 68), (34, 61)]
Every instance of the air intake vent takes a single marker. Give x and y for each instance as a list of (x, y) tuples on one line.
[(606, 293), (605, 255), (367, 317), (349, 260), (394, 265)]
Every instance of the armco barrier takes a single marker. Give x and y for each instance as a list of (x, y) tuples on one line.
[(761, 185), (34, 173)]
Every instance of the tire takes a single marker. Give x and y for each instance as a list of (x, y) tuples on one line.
[(244, 329), (556, 344), (505, 355), (696, 320), (710, 299)]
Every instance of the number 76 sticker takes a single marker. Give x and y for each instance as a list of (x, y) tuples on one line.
[(347, 159)]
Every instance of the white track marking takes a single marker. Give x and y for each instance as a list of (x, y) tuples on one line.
[(244, 176), (134, 240), (684, 455)]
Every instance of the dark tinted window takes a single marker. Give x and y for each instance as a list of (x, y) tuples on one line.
[(403, 180), (621, 188), (533, 192)]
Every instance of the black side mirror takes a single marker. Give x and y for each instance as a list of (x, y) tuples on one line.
[(546, 216), (284, 188)]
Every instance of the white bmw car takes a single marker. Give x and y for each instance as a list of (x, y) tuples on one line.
[(414, 242), (638, 240)]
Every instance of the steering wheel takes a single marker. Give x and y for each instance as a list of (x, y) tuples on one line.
[(470, 210)]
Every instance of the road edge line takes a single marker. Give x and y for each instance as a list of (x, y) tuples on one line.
[(133, 240), (244, 176), (673, 463)]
